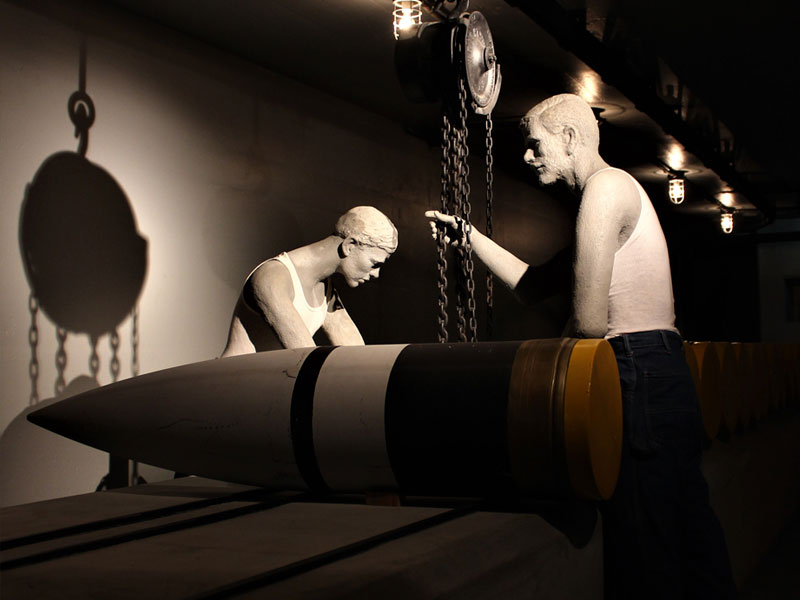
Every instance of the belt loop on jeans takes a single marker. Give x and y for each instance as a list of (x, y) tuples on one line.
[(664, 339), (626, 342)]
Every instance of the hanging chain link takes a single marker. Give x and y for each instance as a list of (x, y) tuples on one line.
[(441, 259), (489, 225), (61, 360), (455, 200), (466, 214), (114, 364), (458, 210), (33, 340)]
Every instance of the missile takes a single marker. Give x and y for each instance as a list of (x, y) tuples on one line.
[(536, 418)]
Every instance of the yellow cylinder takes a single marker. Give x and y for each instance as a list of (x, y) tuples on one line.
[(564, 396)]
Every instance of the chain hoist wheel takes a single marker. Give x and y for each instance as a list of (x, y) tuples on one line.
[(481, 69), (430, 56)]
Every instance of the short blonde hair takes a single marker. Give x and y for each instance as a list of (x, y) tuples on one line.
[(369, 227)]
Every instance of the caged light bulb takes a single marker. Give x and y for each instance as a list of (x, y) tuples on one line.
[(406, 14), (726, 222)]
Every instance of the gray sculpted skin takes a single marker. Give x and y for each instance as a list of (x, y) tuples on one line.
[(265, 317), (561, 144)]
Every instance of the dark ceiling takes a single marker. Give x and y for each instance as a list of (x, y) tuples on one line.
[(702, 87)]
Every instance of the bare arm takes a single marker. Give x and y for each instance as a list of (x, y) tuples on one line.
[(529, 283), (506, 267), (339, 327), (609, 210), (273, 292)]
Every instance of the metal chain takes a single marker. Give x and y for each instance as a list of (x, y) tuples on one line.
[(33, 340), (489, 225), (466, 208), (455, 200), (441, 259), (61, 360), (114, 364), (458, 210)]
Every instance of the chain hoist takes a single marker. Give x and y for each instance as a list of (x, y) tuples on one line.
[(454, 61)]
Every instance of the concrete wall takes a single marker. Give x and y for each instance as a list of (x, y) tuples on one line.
[(223, 164)]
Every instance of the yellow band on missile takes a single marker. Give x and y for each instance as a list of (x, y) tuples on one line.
[(593, 419)]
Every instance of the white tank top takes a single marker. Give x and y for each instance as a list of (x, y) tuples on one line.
[(313, 316), (640, 296)]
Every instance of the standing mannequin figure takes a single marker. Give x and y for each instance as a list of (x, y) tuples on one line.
[(661, 537)]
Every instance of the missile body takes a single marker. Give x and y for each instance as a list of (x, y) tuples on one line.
[(537, 417)]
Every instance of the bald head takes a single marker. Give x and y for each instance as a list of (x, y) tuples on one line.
[(566, 110), (369, 227)]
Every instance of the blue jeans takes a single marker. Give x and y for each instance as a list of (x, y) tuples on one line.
[(661, 539)]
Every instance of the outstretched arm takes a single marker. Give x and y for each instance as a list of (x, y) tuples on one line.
[(506, 267), (339, 327), (272, 290), (529, 284)]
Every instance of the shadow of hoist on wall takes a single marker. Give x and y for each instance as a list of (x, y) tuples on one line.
[(84, 260)]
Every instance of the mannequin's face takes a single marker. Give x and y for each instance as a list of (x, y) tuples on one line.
[(546, 153), (361, 263)]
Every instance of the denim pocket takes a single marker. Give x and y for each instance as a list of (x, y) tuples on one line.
[(634, 401)]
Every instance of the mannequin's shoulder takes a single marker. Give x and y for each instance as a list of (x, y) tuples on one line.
[(271, 281), (614, 190)]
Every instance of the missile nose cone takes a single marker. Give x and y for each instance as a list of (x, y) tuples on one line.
[(54, 413), (41, 418), (69, 416), (52, 417)]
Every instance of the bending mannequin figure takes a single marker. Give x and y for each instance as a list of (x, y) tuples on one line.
[(287, 299), (661, 537)]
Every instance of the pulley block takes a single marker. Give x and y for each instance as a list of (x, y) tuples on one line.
[(430, 57)]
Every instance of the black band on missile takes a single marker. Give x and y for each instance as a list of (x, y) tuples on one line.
[(302, 412), (446, 409)]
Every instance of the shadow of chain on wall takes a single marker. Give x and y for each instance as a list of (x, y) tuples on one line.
[(83, 257)]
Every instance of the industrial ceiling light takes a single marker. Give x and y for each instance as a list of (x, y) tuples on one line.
[(726, 222), (677, 188), (406, 13)]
